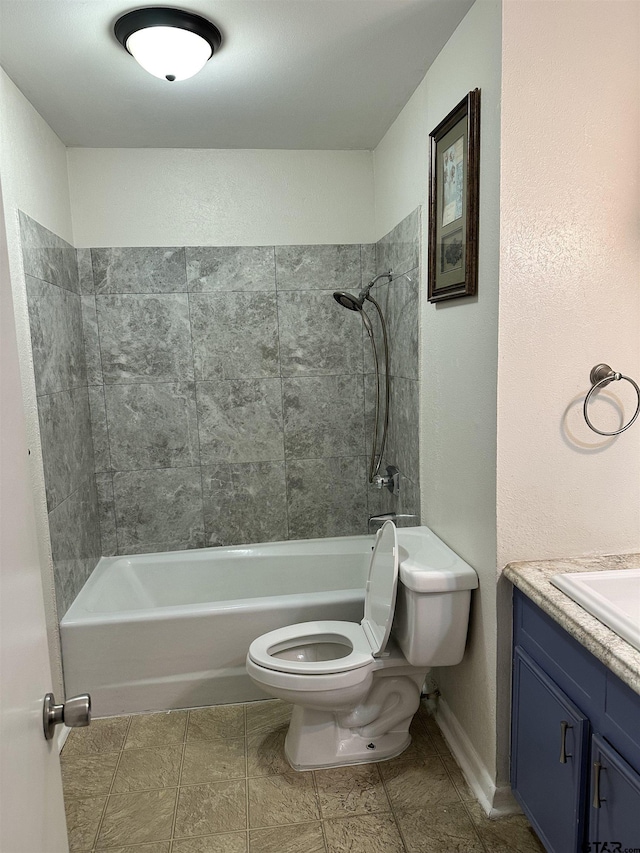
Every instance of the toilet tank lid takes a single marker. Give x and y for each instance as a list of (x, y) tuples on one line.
[(428, 565)]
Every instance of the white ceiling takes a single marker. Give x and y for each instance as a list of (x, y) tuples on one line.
[(323, 74)]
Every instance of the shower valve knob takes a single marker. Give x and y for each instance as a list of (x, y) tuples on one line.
[(74, 712), (391, 481)]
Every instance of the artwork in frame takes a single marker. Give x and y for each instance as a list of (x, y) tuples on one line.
[(454, 183)]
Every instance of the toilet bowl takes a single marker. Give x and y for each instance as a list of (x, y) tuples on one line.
[(355, 687)]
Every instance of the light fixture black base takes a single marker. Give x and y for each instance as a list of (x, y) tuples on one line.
[(161, 16)]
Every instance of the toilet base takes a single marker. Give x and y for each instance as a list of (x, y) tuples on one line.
[(316, 740)]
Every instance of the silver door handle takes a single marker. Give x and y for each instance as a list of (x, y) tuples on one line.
[(597, 799), (564, 725), (74, 712)]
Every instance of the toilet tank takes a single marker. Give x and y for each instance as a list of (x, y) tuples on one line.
[(432, 606)]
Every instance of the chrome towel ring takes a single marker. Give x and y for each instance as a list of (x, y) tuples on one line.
[(600, 376)]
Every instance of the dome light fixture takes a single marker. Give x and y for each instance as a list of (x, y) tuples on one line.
[(169, 43)]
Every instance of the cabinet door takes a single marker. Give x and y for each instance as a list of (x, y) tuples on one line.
[(548, 757), (615, 800)]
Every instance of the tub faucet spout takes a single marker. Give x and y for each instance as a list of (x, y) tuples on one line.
[(375, 522)]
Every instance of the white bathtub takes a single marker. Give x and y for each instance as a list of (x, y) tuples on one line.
[(171, 630)]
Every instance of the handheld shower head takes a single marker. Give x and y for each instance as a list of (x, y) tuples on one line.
[(356, 303), (347, 300)]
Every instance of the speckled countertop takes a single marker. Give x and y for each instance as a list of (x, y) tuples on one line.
[(533, 579)]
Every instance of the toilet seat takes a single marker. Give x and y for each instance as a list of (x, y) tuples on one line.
[(327, 647), (265, 650)]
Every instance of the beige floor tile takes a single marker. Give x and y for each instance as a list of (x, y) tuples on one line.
[(265, 753), (263, 717), (414, 786), (434, 732), (83, 818), (278, 800), (512, 834), (418, 723), (233, 843), (213, 761), (439, 828), (425, 786), (154, 847), (105, 735), (212, 808), (439, 743), (375, 833), (88, 775), (458, 779), (420, 750), (220, 721), (351, 790), (141, 769), (301, 838), (148, 730), (425, 714), (137, 818)]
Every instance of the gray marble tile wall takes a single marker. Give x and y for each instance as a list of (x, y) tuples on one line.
[(226, 392), (214, 396), (56, 314), (399, 250)]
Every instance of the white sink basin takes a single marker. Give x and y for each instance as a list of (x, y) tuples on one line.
[(612, 597)]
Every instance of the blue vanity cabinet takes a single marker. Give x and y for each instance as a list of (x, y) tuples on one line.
[(549, 747), (614, 817), (575, 740)]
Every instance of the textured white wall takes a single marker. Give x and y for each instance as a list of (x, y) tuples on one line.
[(569, 288), (33, 165), (569, 277), (213, 197), (459, 352)]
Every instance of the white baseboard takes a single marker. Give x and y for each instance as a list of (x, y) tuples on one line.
[(61, 737), (497, 802)]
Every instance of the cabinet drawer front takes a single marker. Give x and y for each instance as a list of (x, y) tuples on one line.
[(615, 788), (569, 664), (548, 757)]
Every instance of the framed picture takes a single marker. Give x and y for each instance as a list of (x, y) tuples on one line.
[(454, 182)]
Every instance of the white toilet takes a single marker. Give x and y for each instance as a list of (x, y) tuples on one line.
[(355, 688)]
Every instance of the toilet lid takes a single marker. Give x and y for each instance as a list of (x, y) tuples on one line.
[(382, 585)]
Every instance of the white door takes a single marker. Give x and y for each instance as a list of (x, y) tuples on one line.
[(31, 806)]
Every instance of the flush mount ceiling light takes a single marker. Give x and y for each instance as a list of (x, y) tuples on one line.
[(169, 43)]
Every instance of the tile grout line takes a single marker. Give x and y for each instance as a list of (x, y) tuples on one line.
[(246, 778), (284, 451), (462, 803), (179, 781), (175, 786), (64, 390), (255, 462), (393, 811), (113, 782), (195, 397), (473, 824), (52, 283), (219, 380), (200, 465), (450, 777), (320, 810), (103, 399)]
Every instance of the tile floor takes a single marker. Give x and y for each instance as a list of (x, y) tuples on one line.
[(214, 780)]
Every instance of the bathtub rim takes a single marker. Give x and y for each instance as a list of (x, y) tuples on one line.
[(78, 614), (238, 605)]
